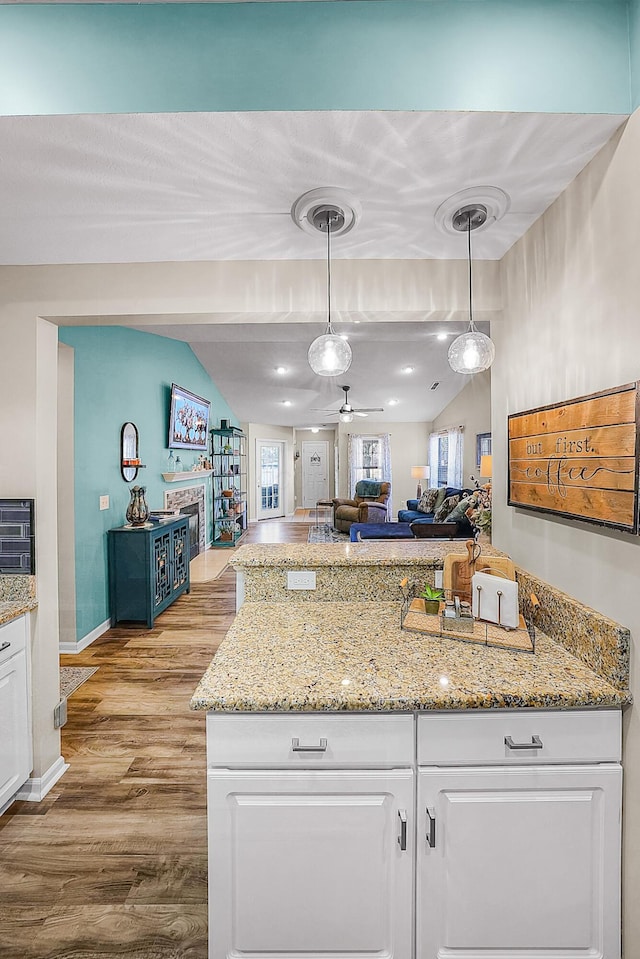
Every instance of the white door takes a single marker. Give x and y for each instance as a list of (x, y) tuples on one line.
[(309, 863), (269, 470), (15, 739), (519, 862), (315, 472)]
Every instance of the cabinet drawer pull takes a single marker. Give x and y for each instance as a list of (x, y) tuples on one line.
[(4, 646), (402, 838), (431, 827), (297, 748), (536, 743)]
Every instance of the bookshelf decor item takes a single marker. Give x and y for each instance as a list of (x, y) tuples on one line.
[(229, 485)]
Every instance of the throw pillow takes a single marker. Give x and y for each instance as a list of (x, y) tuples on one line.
[(459, 512), (428, 501), (443, 511), (442, 495)]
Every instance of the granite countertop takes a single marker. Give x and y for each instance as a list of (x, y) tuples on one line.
[(423, 552), (11, 610), (354, 656), (17, 596)]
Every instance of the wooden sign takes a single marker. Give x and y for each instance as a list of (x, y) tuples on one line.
[(579, 459)]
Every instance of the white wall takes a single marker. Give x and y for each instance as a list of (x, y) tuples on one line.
[(570, 326), (282, 434), (471, 408), (409, 447)]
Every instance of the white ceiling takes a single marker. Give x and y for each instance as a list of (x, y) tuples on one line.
[(201, 187)]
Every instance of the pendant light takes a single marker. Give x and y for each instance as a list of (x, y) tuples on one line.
[(329, 354), (473, 351)]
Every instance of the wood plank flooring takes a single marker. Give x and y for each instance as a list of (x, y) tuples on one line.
[(113, 862)]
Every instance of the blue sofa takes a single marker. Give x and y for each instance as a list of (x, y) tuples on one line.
[(413, 515)]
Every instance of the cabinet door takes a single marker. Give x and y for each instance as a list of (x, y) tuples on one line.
[(523, 862), (180, 556), (309, 863), (15, 738)]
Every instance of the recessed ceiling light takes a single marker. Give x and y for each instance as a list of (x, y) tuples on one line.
[(442, 336), (287, 403), (408, 369), (393, 402), (281, 370), (315, 429)]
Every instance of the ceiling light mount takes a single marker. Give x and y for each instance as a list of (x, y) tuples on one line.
[(470, 217), (492, 199), (309, 212)]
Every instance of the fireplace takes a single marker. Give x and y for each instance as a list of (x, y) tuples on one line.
[(190, 500)]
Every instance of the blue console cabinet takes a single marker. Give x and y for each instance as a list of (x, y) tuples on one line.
[(148, 569)]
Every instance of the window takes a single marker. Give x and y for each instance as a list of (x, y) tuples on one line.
[(445, 458), (369, 458), (483, 447)]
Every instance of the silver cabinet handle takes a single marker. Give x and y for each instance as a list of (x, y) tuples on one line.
[(297, 748), (536, 743), (402, 838), (4, 646), (431, 827)]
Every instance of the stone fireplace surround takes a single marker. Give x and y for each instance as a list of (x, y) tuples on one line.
[(189, 496)]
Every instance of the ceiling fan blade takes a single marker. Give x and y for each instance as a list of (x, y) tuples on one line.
[(314, 410), (368, 409), (359, 413)]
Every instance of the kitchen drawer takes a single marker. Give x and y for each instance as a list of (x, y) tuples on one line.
[(13, 637), (310, 740), (478, 738)]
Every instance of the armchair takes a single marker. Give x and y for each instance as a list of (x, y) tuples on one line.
[(368, 506)]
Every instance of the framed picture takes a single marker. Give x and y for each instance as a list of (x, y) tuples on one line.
[(483, 447), (188, 420)]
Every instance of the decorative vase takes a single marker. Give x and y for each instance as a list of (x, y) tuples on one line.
[(137, 510)]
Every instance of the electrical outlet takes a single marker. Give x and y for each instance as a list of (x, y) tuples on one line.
[(437, 578), (104, 502), (301, 579), (60, 714)]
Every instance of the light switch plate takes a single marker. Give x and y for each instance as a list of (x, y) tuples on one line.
[(104, 502), (301, 579)]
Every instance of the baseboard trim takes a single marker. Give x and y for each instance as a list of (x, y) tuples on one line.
[(36, 789), (86, 640)]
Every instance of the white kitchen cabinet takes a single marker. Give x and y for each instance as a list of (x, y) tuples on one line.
[(311, 863), (519, 862), (15, 713), (513, 829)]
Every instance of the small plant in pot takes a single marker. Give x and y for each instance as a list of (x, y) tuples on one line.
[(432, 596)]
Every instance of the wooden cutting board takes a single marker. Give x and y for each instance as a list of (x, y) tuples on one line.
[(459, 568)]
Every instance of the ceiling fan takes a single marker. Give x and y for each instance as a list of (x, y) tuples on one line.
[(347, 411)]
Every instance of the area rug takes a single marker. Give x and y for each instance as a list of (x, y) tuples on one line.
[(326, 534), (73, 676)]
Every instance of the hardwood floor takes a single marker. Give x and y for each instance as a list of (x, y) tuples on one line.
[(113, 862)]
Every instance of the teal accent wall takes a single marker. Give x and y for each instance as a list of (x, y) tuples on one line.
[(123, 375), (508, 55), (634, 51)]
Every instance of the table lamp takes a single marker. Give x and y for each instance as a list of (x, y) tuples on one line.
[(486, 466), (419, 473)]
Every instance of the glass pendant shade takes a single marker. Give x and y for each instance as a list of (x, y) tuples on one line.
[(471, 352), (346, 417), (329, 355)]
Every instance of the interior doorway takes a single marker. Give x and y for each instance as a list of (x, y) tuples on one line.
[(269, 461), (315, 472)]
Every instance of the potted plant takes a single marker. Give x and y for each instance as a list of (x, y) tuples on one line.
[(432, 596)]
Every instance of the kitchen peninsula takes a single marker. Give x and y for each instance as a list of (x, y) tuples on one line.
[(345, 753)]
